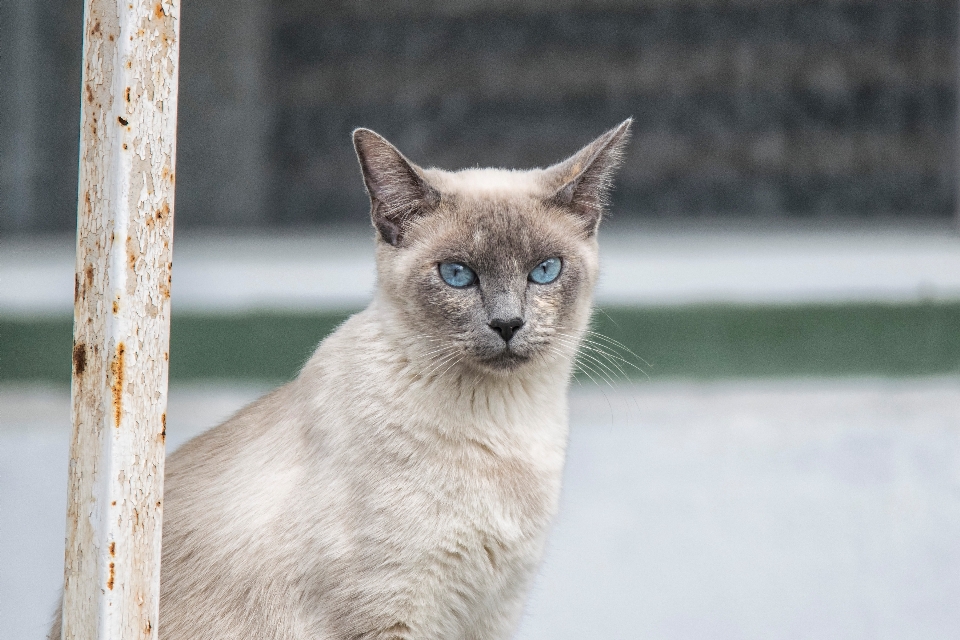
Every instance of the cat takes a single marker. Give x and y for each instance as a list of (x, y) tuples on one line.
[(403, 484)]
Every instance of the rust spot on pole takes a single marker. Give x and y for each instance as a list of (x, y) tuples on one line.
[(79, 358), (110, 578), (116, 368), (163, 431), (122, 121), (158, 11), (113, 549)]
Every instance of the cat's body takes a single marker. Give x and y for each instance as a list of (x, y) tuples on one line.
[(402, 485), (374, 512)]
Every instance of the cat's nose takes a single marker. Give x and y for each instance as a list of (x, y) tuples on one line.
[(506, 328)]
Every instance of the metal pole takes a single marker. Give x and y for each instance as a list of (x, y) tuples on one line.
[(121, 318)]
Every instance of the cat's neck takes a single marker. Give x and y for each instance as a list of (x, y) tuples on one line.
[(504, 409)]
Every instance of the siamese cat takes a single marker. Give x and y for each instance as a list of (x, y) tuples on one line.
[(402, 486)]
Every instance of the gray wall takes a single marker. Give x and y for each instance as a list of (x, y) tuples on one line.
[(39, 113), (225, 126), (754, 108)]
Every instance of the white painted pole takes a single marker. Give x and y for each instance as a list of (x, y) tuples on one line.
[(121, 318)]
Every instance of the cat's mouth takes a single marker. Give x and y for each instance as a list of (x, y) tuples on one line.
[(505, 360)]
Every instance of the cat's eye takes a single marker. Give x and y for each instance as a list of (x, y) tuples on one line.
[(547, 271), (457, 275)]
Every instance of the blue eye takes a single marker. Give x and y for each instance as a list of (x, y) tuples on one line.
[(547, 271), (457, 275)]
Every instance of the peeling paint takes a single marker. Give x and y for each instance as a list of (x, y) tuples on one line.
[(122, 315)]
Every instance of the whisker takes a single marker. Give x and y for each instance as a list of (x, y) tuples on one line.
[(599, 372), (611, 358), (601, 364), (442, 360), (599, 387), (626, 379), (576, 368), (610, 344), (617, 344), (609, 317), (443, 348), (598, 348), (586, 343), (568, 340), (452, 364)]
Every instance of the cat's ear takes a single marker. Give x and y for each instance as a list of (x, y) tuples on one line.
[(582, 182), (398, 191)]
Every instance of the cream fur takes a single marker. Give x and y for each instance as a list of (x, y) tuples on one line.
[(403, 484), (359, 506)]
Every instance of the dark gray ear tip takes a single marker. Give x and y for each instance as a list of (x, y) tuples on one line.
[(363, 137)]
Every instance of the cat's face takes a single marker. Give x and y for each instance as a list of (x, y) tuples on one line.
[(467, 279), (485, 268)]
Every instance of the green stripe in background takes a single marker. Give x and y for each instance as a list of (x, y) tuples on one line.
[(708, 341)]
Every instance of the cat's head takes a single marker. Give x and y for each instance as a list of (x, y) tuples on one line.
[(489, 268)]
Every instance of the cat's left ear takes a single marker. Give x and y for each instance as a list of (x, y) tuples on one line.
[(582, 182)]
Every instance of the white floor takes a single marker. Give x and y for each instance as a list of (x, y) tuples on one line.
[(749, 510), (310, 270)]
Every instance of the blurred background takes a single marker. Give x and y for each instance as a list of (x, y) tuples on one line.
[(827, 110), (781, 269)]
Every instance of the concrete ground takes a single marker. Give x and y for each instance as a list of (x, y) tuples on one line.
[(751, 510)]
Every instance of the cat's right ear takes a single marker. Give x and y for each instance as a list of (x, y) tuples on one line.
[(581, 183), (398, 192)]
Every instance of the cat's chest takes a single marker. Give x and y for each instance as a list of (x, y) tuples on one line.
[(506, 495), (476, 511), (467, 477), (478, 532)]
